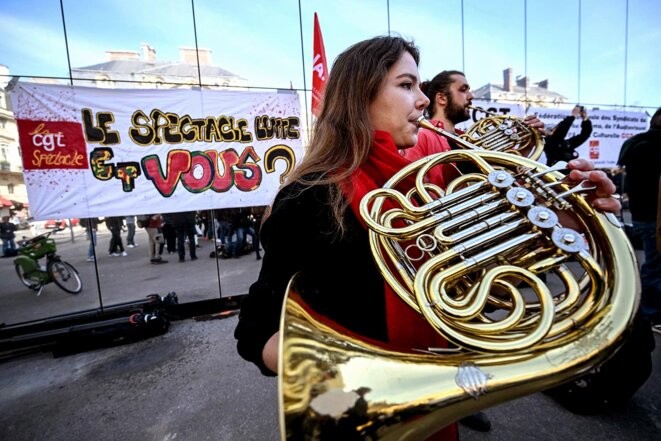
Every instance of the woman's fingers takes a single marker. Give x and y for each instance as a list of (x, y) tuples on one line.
[(601, 197)]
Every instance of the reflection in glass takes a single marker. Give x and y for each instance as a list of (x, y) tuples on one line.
[(581, 51)]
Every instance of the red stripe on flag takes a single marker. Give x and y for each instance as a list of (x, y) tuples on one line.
[(319, 69)]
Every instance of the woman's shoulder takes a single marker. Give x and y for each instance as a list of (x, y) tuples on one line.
[(302, 201), (309, 187)]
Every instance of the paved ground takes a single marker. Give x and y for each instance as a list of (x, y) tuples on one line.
[(122, 279), (189, 384)]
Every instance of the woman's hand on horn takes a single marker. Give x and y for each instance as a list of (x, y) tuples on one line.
[(603, 197)]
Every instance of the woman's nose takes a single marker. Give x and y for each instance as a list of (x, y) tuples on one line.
[(424, 101)]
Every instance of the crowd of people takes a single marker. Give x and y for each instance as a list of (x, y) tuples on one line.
[(235, 231)]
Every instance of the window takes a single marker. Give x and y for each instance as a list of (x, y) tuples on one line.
[(10, 188)]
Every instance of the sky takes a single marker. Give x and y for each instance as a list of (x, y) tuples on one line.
[(601, 53)]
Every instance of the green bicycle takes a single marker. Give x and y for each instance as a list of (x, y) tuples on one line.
[(34, 276)]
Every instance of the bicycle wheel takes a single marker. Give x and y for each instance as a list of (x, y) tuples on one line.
[(27, 282), (65, 276)]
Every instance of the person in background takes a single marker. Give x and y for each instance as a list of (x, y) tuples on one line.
[(184, 227), (130, 231), (450, 98), (224, 228), (258, 214), (371, 106), (91, 225), (116, 247), (156, 241), (8, 236), (169, 234), (556, 147), (241, 222), (641, 158)]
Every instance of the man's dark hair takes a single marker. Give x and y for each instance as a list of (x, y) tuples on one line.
[(655, 122), (439, 84)]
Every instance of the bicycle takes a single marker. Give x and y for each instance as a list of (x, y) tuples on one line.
[(34, 276)]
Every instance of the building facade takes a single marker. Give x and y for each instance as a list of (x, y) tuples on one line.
[(133, 69), (13, 193), (521, 90)]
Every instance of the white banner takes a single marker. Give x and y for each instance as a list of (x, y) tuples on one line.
[(610, 128), (91, 152)]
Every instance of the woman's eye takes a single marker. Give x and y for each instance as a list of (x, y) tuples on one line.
[(407, 86)]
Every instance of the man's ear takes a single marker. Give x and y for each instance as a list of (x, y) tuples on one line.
[(441, 99)]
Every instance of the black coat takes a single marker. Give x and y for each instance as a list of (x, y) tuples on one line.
[(184, 219), (641, 155), (115, 223), (557, 148), (299, 236)]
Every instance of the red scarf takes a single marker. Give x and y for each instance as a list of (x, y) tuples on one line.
[(407, 329)]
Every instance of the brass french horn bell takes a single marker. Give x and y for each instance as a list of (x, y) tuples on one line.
[(470, 259), (499, 133)]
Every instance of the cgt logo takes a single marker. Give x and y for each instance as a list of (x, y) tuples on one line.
[(594, 149), (49, 145)]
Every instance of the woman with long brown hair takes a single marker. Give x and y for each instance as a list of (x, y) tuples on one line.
[(372, 104)]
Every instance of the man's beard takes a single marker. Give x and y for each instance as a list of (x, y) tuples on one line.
[(456, 113)]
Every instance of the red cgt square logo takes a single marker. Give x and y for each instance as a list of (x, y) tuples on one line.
[(47, 145)]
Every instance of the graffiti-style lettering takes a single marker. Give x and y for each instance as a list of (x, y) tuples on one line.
[(211, 130), (282, 128), (160, 127), (169, 123), (248, 175), (231, 130), (155, 129), (141, 133), (223, 169), (127, 172), (124, 171), (197, 171), (190, 128), (98, 159), (178, 163), (101, 132), (280, 151), (200, 176)]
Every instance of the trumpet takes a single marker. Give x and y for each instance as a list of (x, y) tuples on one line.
[(500, 133)]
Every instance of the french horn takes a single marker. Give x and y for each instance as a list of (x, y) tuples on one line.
[(499, 133), (530, 285)]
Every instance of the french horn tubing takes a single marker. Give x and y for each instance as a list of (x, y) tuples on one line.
[(500, 133), (530, 285)]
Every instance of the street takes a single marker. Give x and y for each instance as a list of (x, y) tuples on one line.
[(123, 278), (190, 384)]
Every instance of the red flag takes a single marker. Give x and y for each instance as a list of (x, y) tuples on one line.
[(319, 69)]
